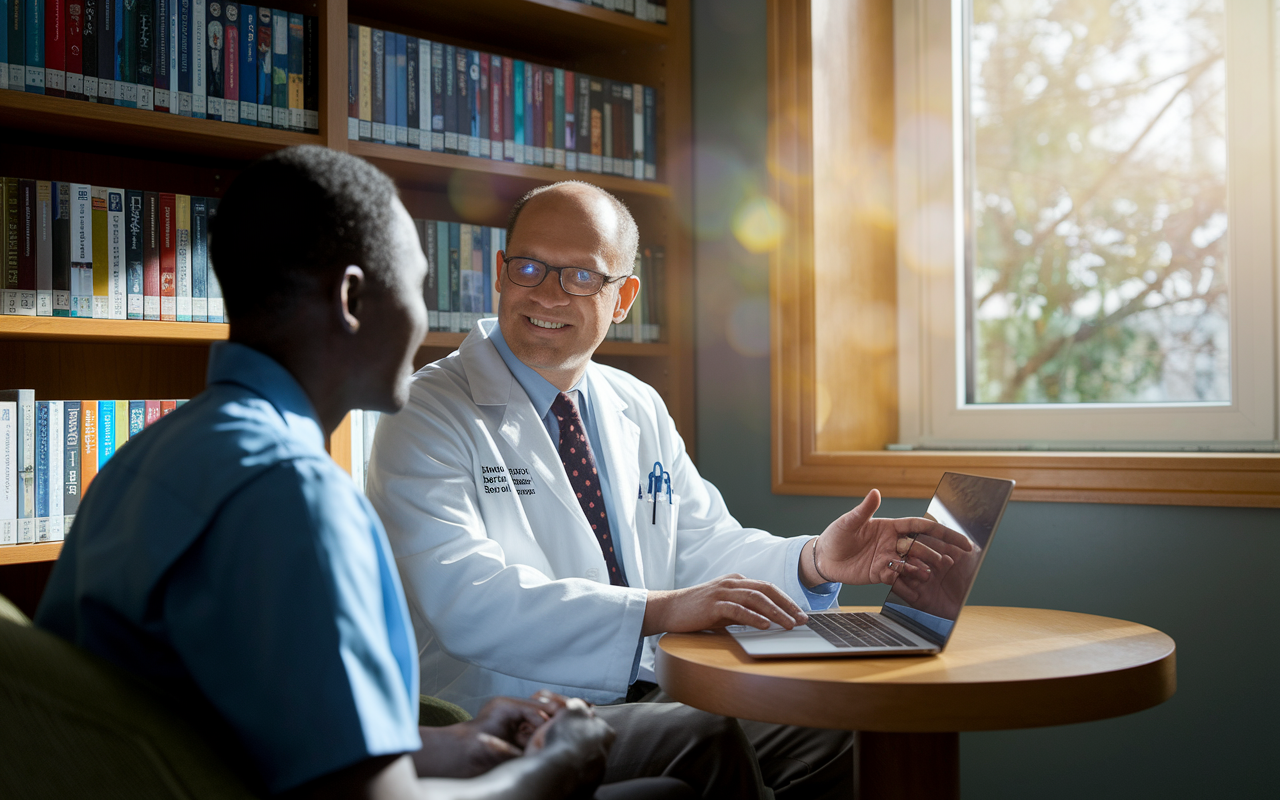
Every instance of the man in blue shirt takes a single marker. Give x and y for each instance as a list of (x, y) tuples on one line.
[(225, 558)]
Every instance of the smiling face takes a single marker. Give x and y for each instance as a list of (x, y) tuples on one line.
[(548, 329)]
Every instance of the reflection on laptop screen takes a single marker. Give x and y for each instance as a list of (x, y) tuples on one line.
[(971, 507)]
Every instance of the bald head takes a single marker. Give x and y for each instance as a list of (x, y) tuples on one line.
[(582, 203)]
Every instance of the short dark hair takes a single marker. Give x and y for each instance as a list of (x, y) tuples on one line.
[(293, 217), (630, 243)]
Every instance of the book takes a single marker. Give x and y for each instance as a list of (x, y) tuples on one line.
[(557, 122), (43, 234), (279, 69), (117, 291), (61, 249), (199, 260), (106, 429), (444, 296), (217, 312), (430, 290), (5, 10), (75, 49), (212, 45), (71, 459), (101, 291), (150, 255), (134, 246), (167, 407), (152, 412), (231, 44), (265, 70), (311, 74), (449, 72), (248, 76), (295, 87), (88, 443), (145, 70), (41, 509), (81, 250), (137, 417), (168, 257), (530, 122), (474, 103), (182, 257), (497, 137), (412, 94), (24, 460), (516, 109), (200, 58), (378, 85), (126, 61), (121, 424), (582, 122), (107, 28), (390, 90), (89, 50), (161, 54), (463, 98), (8, 471), (353, 81), (402, 90), (175, 54), (537, 120), (437, 97), (650, 136), (548, 117), (55, 48), (425, 100), (480, 131), (24, 288), (570, 121), (365, 71), (33, 32), (456, 309), (184, 45), (57, 470), (10, 209)]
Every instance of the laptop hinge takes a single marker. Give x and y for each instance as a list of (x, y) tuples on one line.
[(919, 630)]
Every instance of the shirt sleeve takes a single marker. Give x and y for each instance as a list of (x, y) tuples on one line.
[(291, 622)]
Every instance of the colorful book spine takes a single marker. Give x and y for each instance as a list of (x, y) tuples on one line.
[(126, 61), (280, 68), (517, 109), (8, 471), (55, 48), (101, 292), (14, 18), (266, 44), (377, 85), (24, 288), (107, 51), (57, 471), (427, 236), (365, 60), (135, 238), (89, 42), (296, 85), (88, 443), (71, 461), (217, 312), (121, 423), (184, 45), (168, 257), (547, 104), (199, 261), (61, 249), (150, 255), (231, 44), (145, 70), (353, 82), (402, 90), (106, 432), (9, 210), (26, 441), (570, 121), (390, 91), (449, 72), (41, 510), (81, 250), (496, 84), (117, 289), (248, 64), (75, 49), (137, 417), (412, 93), (462, 100), (182, 255), (557, 122), (442, 266), (162, 54), (470, 117), (424, 94), (213, 46), (530, 121), (199, 59), (44, 248), (480, 132), (167, 407), (33, 31), (437, 97), (311, 74), (152, 413)]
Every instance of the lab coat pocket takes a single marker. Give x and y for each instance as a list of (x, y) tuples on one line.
[(656, 529)]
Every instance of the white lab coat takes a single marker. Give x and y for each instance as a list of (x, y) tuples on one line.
[(505, 580)]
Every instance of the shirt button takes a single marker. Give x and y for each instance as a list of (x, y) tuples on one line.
[(593, 573)]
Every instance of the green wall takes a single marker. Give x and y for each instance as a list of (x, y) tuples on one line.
[(1202, 575)]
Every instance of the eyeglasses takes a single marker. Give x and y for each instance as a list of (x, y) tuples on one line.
[(576, 281)]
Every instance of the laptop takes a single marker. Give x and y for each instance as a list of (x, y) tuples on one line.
[(921, 610)]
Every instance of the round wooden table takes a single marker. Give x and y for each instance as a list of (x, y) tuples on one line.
[(1004, 668)]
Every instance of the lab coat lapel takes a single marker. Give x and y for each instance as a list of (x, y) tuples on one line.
[(619, 448)]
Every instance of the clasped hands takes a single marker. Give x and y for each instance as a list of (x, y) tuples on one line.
[(921, 554)]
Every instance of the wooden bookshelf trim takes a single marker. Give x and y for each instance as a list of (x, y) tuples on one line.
[(111, 330), (30, 553), (808, 460), (139, 128)]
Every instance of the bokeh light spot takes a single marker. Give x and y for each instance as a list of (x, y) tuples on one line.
[(759, 225)]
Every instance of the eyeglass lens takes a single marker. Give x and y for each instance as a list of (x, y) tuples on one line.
[(529, 273)]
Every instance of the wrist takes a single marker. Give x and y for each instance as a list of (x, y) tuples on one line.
[(811, 572), (655, 612)]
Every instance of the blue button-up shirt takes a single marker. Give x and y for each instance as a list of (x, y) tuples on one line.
[(221, 554)]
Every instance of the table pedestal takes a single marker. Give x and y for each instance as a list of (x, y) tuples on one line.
[(897, 766)]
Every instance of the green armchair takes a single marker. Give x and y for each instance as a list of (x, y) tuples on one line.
[(72, 725)]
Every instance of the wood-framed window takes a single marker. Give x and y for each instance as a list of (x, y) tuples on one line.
[(842, 330)]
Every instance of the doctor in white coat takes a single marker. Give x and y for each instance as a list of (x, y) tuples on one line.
[(515, 584)]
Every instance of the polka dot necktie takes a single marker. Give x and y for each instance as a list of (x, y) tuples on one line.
[(580, 467)]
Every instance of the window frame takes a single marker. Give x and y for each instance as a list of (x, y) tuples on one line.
[(806, 460)]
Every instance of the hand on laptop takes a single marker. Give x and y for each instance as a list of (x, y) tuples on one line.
[(942, 592), (858, 549)]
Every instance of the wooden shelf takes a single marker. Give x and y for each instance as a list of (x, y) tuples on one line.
[(553, 28), (30, 553), (133, 127), (422, 169), (111, 330)]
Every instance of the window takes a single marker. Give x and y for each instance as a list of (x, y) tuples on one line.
[(1009, 279)]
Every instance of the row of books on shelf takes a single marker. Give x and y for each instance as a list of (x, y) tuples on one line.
[(51, 450), (644, 10), (426, 95), (75, 250), (199, 58), (461, 282)]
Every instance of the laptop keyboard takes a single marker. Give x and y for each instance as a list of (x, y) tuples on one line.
[(855, 629)]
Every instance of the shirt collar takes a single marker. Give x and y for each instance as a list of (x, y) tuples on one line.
[(238, 364), (541, 392)]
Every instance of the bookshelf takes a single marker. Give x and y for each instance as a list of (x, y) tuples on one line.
[(50, 138)]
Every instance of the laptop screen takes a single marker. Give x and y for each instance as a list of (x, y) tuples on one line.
[(929, 603)]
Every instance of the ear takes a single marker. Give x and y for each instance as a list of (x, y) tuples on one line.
[(352, 289), (499, 271), (627, 294)]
